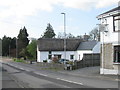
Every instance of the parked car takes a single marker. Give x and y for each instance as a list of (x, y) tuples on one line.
[(63, 61)]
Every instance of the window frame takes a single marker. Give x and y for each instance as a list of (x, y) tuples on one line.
[(116, 54), (72, 57), (114, 28)]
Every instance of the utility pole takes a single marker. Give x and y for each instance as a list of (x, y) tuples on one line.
[(64, 35)]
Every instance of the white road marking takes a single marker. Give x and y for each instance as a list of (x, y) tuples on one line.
[(22, 68), (69, 81), (40, 74)]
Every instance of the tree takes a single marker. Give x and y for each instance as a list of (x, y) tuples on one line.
[(22, 40), (49, 33), (94, 34), (6, 45), (32, 49), (69, 35)]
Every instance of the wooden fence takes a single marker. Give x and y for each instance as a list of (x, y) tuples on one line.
[(88, 61)]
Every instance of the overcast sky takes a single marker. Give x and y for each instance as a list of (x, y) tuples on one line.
[(35, 14)]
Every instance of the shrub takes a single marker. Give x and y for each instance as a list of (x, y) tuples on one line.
[(45, 61), (55, 59)]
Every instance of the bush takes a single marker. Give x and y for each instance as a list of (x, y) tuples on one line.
[(18, 60), (55, 59), (45, 61), (70, 62)]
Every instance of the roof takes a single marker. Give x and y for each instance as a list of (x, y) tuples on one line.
[(48, 44), (110, 12), (89, 45)]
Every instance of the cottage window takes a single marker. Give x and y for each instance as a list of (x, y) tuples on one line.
[(59, 56), (117, 54), (116, 23), (49, 56), (50, 52), (71, 56)]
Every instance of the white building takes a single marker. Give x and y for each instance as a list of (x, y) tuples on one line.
[(110, 41), (75, 48)]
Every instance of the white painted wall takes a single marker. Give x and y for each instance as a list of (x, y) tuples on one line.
[(38, 55), (81, 52), (96, 48), (43, 55), (110, 36)]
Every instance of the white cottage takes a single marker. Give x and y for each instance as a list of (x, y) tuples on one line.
[(110, 41), (75, 48)]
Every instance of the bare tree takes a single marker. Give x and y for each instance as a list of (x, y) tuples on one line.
[(94, 34)]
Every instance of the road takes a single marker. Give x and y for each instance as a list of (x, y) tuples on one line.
[(27, 76), (28, 79)]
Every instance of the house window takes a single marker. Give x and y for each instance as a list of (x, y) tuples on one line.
[(116, 23), (71, 56), (49, 56), (50, 52), (117, 54), (59, 56)]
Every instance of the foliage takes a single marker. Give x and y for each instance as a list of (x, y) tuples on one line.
[(62, 35), (94, 34), (70, 62), (8, 46), (45, 61), (22, 41), (49, 33), (55, 59), (18, 60), (32, 49)]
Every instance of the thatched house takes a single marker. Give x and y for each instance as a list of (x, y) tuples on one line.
[(48, 48)]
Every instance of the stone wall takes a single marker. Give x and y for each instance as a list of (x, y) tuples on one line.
[(107, 56)]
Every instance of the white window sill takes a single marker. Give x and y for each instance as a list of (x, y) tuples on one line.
[(116, 63)]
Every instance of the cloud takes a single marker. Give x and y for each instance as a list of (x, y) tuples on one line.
[(21, 8), (88, 4), (16, 11)]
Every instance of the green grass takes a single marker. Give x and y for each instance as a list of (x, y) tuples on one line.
[(18, 60)]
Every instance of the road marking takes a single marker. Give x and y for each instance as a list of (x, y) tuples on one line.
[(22, 68), (69, 81), (40, 74)]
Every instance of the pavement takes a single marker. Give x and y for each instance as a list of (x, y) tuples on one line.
[(91, 72)]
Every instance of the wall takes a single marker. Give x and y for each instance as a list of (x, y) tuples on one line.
[(110, 36), (81, 52), (96, 49), (43, 55), (38, 55), (108, 39), (107, 55)]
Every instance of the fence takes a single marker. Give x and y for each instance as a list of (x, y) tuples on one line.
[(88, 61), (51, 65)]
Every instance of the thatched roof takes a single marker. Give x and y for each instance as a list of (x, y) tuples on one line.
[(48, 44)]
